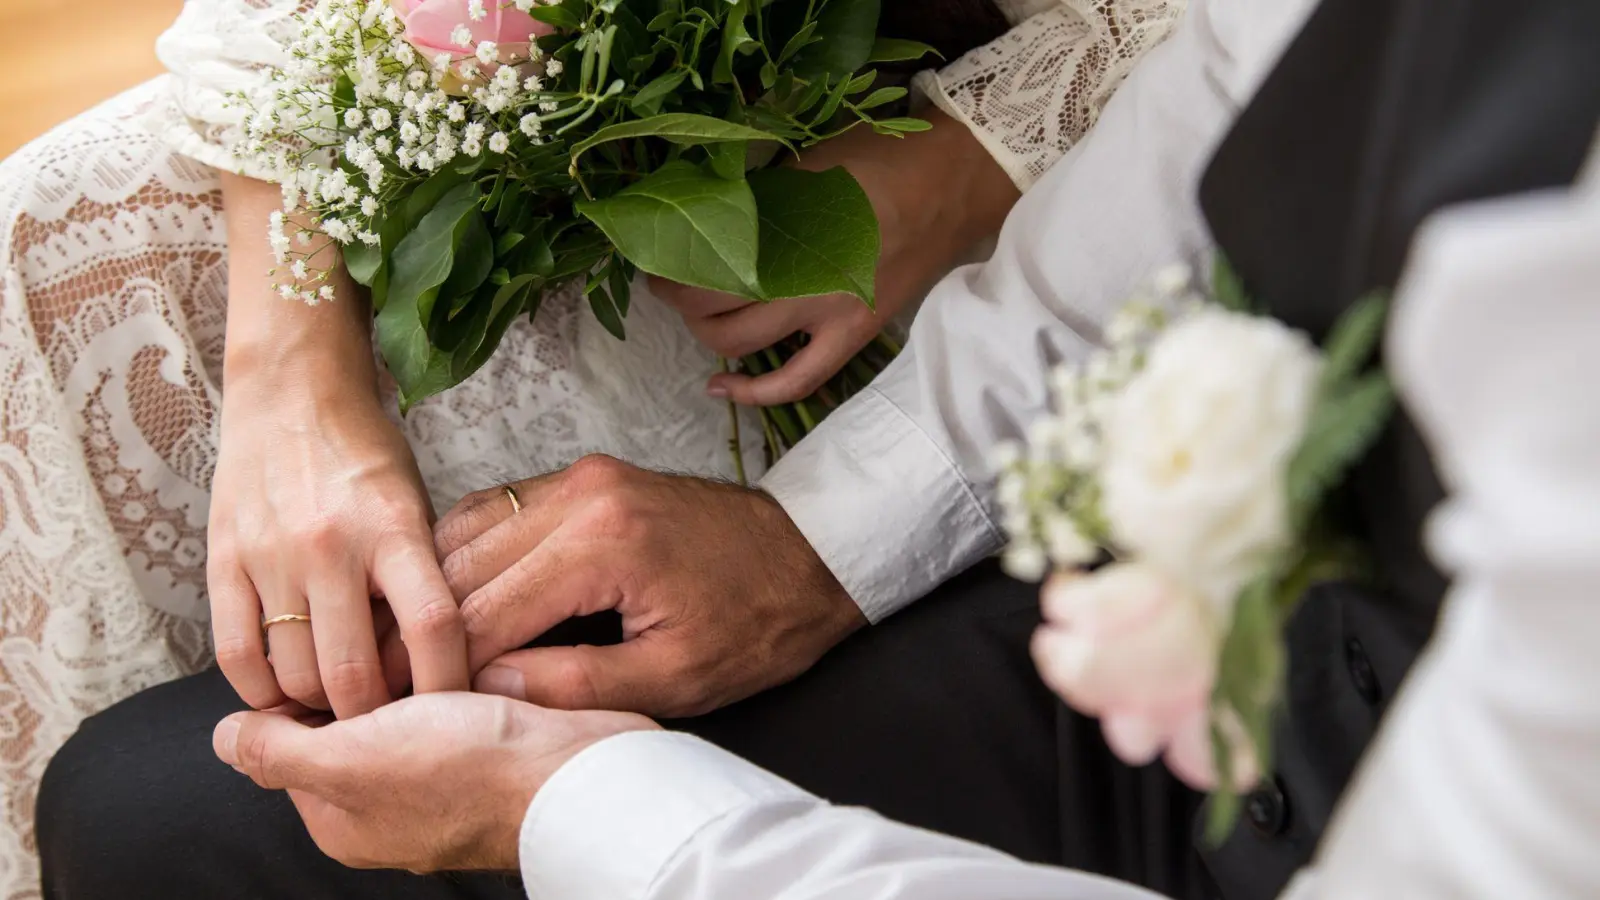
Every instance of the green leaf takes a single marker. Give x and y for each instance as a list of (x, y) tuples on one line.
[(818, 234), (729, 160), (685, 129), (880, 97), (1227, 289), (902, 125), (685, 225), (362, 262), (558, 16), (798, 42), (861, 82), (898, 50), (1343, 428), (647, 102), (422, 262), (735, 40), (846, 33), (607, 312), (1352, 342), (474, 257)]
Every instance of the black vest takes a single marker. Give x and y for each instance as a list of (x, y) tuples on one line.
[(1380, 113)]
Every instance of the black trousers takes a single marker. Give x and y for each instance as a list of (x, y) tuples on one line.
[(935, 718)]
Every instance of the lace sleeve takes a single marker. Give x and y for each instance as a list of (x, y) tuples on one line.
[(214, 48), (1030, 95)]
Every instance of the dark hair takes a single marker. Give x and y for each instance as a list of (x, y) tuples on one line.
[(952, 26)]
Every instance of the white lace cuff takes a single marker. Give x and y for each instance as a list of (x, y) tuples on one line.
[(1034, 92)]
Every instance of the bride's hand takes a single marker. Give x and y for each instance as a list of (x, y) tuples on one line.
[(317, 506), (936, 193)]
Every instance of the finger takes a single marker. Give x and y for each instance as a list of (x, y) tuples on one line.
[(345, 640), (292, 650), (693, 302), (430, 622), (541, 590), (756, 327), (480, 511), (497, 549), (799, 378), (391, 650), (276, 752), (236, 630), (635, 676)]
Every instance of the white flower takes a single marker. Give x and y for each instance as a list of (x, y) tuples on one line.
[(380, 119), (489, 54), (456, 112), (353, 117), (1025, 561), (472, 147), (299, 269), (369, 206), (410, 133), (461, 36), (530, 125), (476, 11), (554, 68), (1065, 543), (499, 143), (325, 292), (1197, 444), (533, 83), (417, 80)]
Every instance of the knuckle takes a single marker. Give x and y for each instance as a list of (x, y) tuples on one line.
[(436, 619), (234, 652), (614, 516), (595, 473), (319, 537), (571, 685), (352, 677), (305, 686)]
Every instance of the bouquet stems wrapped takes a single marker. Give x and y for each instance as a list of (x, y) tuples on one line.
[(468, 171)]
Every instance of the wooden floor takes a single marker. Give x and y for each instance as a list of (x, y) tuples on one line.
[(60, 57)]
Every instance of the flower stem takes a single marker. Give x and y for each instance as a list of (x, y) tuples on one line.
[(734, 442)]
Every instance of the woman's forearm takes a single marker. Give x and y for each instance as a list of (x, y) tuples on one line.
[(286, 341)]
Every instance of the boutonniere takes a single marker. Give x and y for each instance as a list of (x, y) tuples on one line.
[(1195, 450)]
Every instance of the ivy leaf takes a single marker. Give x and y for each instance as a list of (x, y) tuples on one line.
[(846, 32), (362, 262), (897, 50), (557, 16), (1352, 341), (685, 225), (474, 258), (685, 129), (729, 160), (818, 234), (1342, 428)]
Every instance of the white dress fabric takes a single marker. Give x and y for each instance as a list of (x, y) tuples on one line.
[(113, 299)]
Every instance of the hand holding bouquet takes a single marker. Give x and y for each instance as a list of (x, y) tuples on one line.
[(470, 156), (1197, 448)]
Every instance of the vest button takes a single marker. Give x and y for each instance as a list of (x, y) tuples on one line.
[(1362, 674), (1267, 810)]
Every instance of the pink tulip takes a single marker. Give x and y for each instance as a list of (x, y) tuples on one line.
[(1139, 650), (431, 24)]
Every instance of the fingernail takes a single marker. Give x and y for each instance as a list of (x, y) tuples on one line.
[(504, 681), (225, 741), (717, 391)]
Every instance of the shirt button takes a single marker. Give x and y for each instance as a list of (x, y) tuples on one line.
[(1267, 810), (1361, 672)]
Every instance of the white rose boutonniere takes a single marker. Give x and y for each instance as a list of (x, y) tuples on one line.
[(1195, 449)]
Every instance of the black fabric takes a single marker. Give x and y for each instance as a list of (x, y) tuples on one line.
[(936, 718), (1380, 113)]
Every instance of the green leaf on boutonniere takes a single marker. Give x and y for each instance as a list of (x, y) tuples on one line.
[(686, 129), (1343, 427), (1227, 289), (685, 225), (846, 33), (1352, 342), (818, 234)]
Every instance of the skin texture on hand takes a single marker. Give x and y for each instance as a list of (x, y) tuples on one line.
[(317, 505), (936, 193), (721, 597), (432, 783)]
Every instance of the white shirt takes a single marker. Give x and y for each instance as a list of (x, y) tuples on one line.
[(1483, 783), (903, 465)]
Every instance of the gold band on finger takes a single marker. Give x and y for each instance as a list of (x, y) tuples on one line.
[(283, 620), (516, 503)]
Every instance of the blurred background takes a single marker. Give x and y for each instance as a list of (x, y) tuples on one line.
[(60, 57)]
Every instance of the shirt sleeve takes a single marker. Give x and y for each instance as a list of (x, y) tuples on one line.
[(903, 465), (664, 816), (1034, 92), (1497, 731)]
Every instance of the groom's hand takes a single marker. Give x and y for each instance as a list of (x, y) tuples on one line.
[(436, 782), (720, 595)]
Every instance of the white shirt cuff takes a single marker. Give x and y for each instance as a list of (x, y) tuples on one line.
[(885, 508), (609, 821)]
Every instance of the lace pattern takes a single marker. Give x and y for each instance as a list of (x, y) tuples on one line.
[(1033, 93)]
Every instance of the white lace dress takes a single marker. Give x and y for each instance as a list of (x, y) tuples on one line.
[(113, 274)]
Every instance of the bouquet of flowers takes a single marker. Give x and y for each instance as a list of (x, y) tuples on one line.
[(471, 156), (1193, 455)]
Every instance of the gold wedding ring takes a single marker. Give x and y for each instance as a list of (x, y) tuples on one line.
[(283, 620), (516, 503)]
